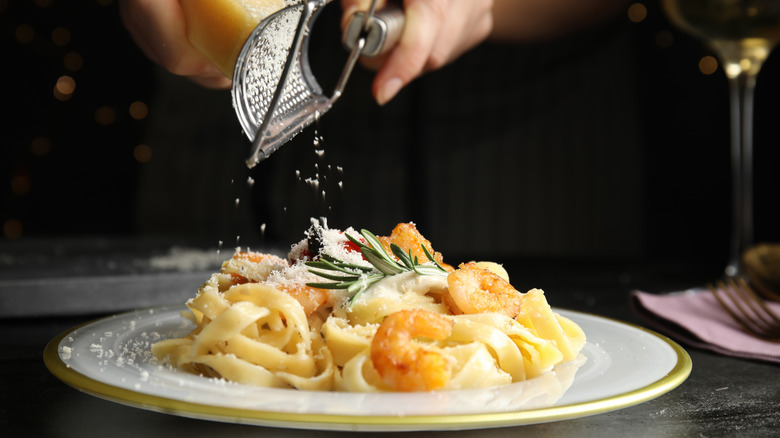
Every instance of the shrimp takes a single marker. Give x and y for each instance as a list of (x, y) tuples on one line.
[(402, 362), (472, 289), (406, 236), (253, 267), (311, 298)]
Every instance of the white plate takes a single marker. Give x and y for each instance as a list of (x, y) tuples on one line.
[(621, 365)]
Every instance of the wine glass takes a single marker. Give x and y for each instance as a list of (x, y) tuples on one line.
[(742, 33)]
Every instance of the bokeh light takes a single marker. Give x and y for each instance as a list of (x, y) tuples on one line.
[(40, 146), (64, 88), (66, 107), (20, 182), (73, 61), (142, 153), (105, 115), (637, 12), (25, 33), (138, 110), (708, 65), (60, 36), (12, 229)]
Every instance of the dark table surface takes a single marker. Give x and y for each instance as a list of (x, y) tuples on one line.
[(722, 397)]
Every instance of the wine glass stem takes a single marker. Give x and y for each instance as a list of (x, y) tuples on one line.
[(741, 87)]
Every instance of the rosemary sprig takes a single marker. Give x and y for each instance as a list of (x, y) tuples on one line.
[(357, 278)]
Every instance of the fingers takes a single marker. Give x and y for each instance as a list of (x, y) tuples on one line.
[(211, 77), (435, 33), (408, 60), (159, 29)]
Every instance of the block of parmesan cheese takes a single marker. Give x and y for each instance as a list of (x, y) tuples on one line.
[(219, 28)]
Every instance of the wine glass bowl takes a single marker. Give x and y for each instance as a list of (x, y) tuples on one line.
[(743, 34)]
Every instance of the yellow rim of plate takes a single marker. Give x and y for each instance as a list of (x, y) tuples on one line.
[(673, 379)]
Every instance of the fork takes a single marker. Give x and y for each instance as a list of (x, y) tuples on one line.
[(747, 308)]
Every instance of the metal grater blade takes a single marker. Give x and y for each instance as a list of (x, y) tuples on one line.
[(272, 75)]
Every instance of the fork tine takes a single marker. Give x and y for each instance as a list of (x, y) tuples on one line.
[(721, 294), (769, 320), (761, 309), (764, 290), (745, 302), (746, 308)]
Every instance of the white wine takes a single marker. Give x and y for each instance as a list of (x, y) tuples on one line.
[(743, 31)]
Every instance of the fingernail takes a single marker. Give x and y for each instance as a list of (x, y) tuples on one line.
[(389, 90)]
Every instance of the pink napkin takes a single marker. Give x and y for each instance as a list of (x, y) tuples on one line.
[(695, 318)]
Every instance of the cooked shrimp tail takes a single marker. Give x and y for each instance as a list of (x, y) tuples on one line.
[(472, 289), (402, 362)]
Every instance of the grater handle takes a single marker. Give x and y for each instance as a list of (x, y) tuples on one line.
[(381, 33)]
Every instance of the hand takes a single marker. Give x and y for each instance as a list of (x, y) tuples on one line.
[(436, 32), (158, 28)]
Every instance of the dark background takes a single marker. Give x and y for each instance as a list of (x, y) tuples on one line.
[(608, 144)]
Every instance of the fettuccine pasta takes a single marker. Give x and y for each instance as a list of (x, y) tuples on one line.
[(263, 320)]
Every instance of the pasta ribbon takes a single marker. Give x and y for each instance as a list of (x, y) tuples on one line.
[(251, 334)]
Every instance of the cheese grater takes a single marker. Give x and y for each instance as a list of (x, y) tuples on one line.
[(275, 94)]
